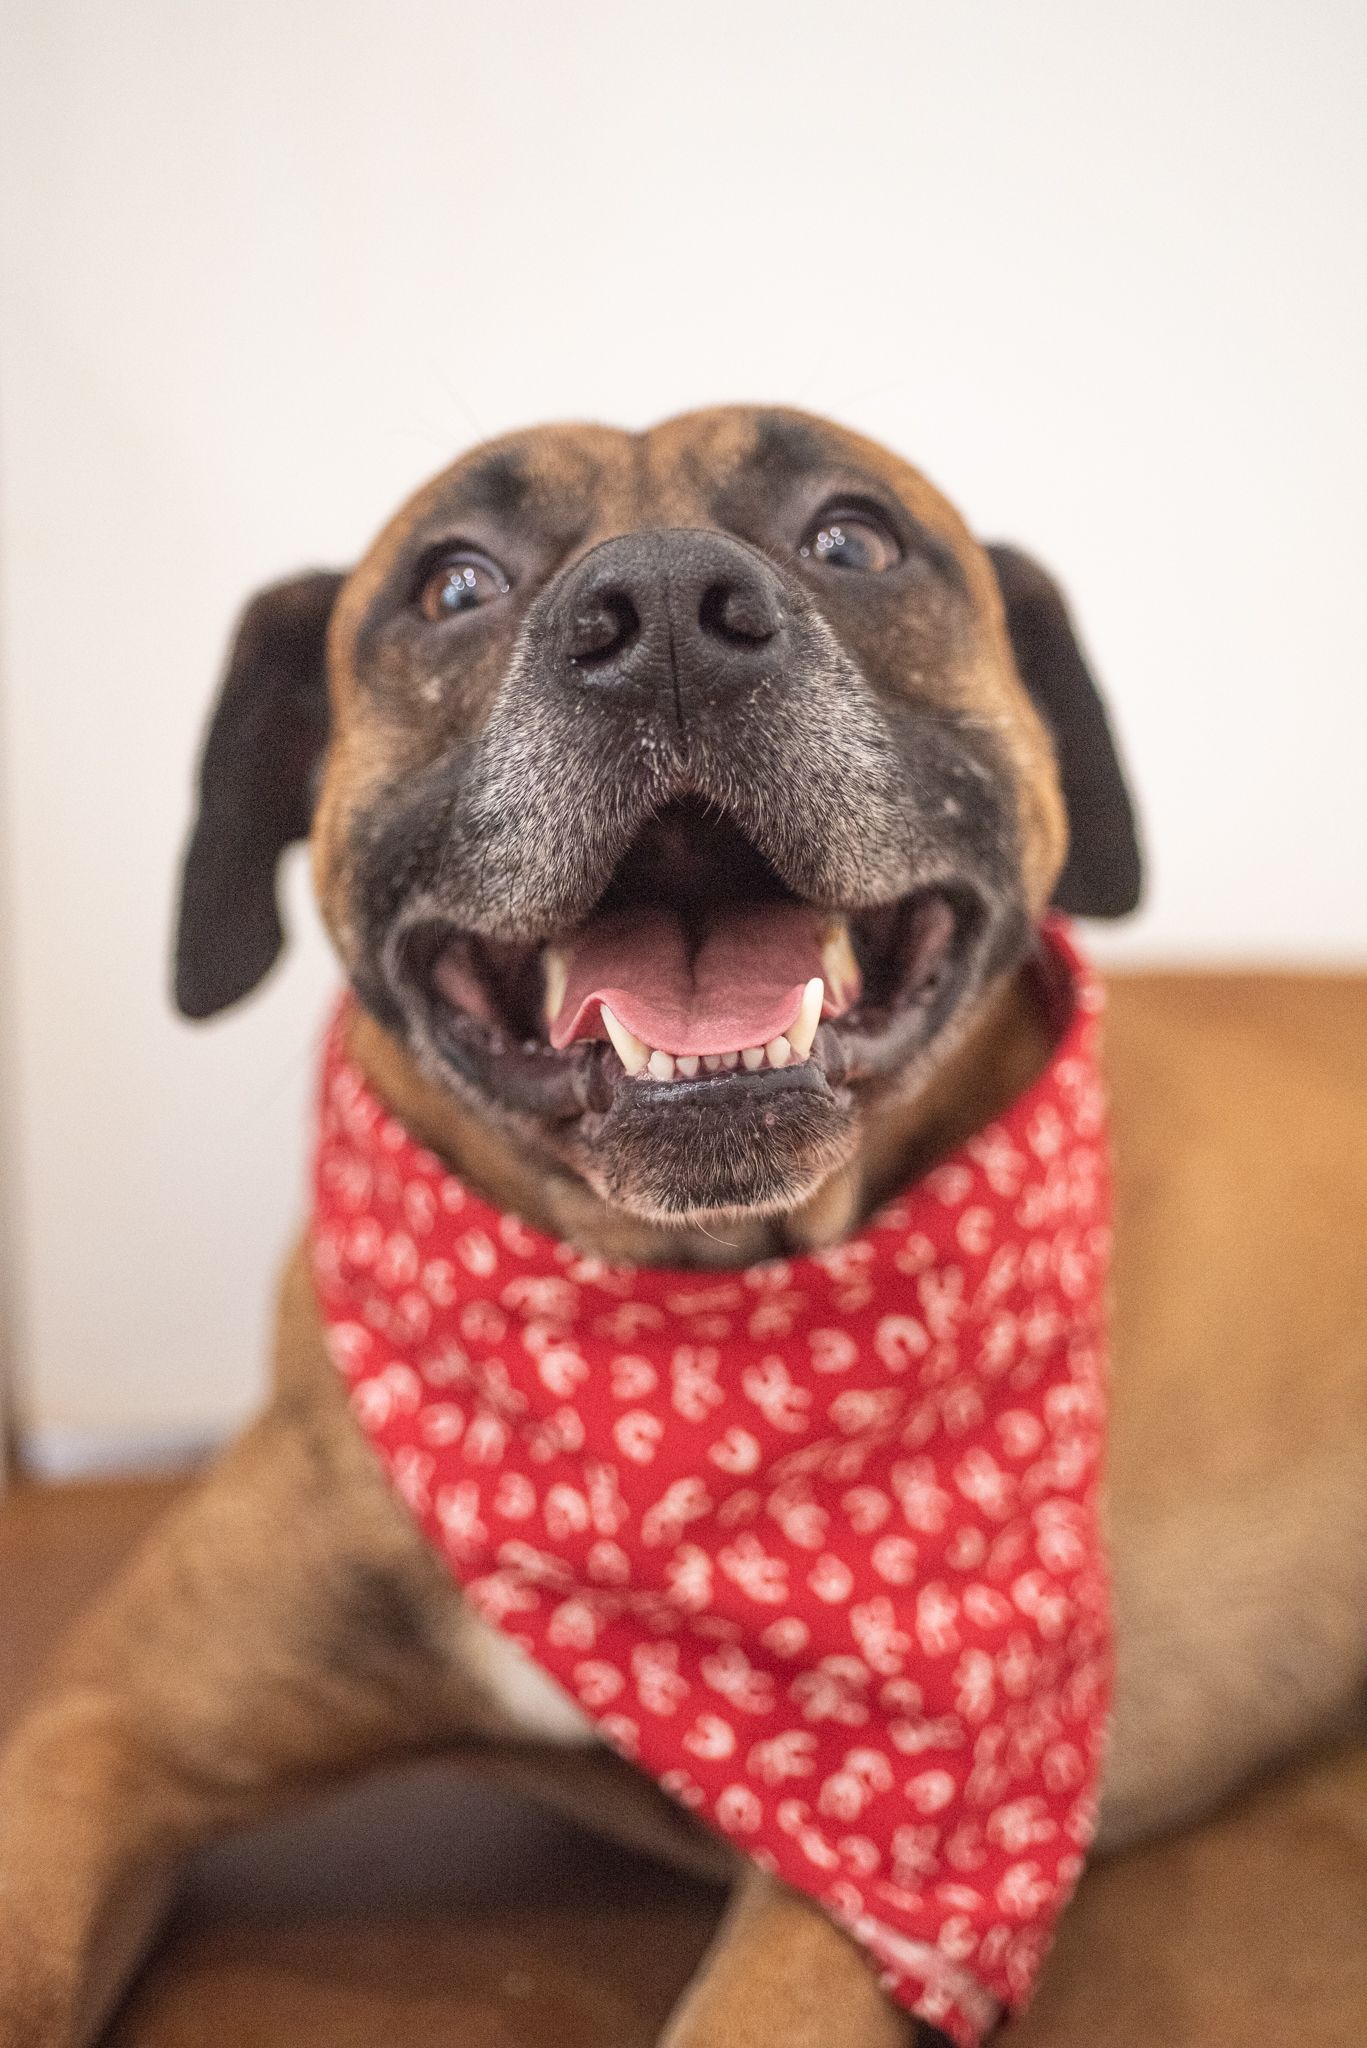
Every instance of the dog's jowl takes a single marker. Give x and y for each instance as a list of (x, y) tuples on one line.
[(698, 1347)]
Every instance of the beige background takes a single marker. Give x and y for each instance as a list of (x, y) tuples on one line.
[(266, 265)]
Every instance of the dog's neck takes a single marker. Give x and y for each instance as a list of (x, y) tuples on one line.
[(1006, 1047)]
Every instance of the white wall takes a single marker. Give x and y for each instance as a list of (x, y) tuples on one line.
[(1101, 270)]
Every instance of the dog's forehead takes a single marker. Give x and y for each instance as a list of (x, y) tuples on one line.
[(771, 448), (584, 482)]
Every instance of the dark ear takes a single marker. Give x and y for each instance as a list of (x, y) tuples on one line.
[(1102, 876), (256, 789)]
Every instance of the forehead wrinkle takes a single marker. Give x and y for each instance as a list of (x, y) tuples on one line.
[(631, 493), (722, 444), (790, 445), (679, 462), (496, 483), (543, 470)]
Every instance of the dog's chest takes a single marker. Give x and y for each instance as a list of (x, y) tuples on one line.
[(536, 1706)]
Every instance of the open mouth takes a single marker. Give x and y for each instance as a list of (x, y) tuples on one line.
[(698, 969)]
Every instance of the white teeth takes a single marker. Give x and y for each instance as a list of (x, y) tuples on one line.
[(802, 1030), (557, 972), (788, 1047), (837, 958), (635, 1056)]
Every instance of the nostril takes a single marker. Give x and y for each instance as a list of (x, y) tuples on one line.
[(745, 614), (602, 628)]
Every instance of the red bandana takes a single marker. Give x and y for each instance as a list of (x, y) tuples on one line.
[(815, 1542)]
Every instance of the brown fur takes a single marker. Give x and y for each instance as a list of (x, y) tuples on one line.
[(288, 1625)]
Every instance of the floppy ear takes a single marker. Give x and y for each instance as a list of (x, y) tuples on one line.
[(1102, 876), (256, 789)]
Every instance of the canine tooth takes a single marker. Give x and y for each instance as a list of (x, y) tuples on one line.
[(730, 1060), (556, 969), (778, 1052), (661, 1065), (837, 957), (630, 1051), (802, 1030), (712, 1062), (753, 1057), (686, 1063)]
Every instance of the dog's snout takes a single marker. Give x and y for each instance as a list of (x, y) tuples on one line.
[(686, 612)]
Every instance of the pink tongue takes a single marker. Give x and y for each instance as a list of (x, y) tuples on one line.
[(741, 986)]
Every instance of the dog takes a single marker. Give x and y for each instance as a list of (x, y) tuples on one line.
[(749, 660)]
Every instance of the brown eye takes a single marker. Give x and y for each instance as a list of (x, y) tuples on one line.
[(460, 582), (851, 540)]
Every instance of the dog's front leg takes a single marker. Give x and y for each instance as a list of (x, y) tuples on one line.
[(286, 1625), (780, 1974)]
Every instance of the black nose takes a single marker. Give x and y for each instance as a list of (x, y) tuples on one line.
[(676, 610)]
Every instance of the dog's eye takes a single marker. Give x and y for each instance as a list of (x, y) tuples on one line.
[(460, 582), (853, 539)]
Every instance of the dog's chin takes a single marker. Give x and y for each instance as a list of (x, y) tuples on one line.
[(720, 1146), (776, 1026)]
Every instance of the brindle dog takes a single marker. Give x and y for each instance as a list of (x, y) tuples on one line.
[(749, 657)]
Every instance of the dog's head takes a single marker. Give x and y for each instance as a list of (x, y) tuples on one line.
[(676, 799)]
